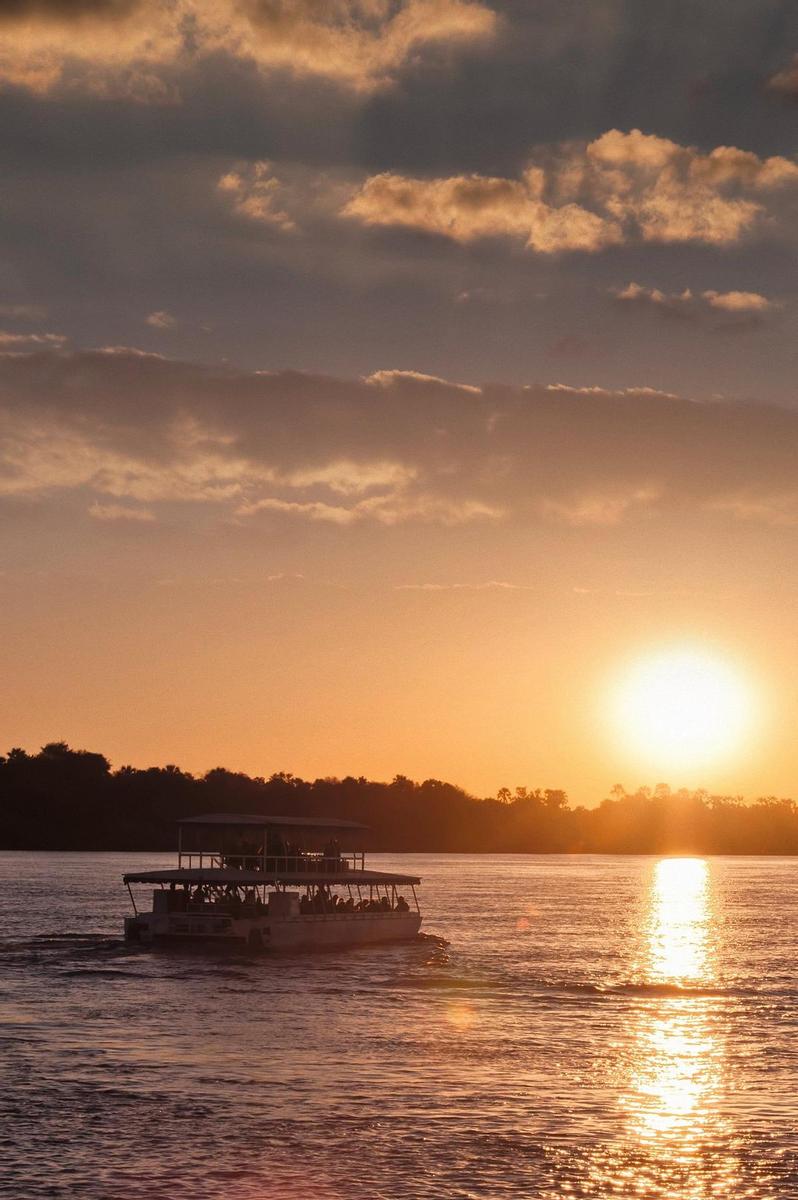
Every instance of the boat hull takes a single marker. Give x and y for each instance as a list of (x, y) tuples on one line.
[(308, 931)]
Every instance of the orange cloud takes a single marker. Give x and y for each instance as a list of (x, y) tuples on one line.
[(785, 81), (360, 43), (102, 46), (255, 194), (635, 293), (394, 508), (622, 187), (467, 207), (738, 302), (132, 47), (28, 341), (686, 302)]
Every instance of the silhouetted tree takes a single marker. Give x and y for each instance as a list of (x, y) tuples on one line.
[(71, 799)]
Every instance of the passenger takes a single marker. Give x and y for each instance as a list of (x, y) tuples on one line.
[(252, 854), (275, 850), (240, 848), (385, 904), (402, 905)]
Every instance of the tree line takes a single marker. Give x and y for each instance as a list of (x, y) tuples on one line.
[(64, 799)]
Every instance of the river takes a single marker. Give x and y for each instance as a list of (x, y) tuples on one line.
[(569, 1026)]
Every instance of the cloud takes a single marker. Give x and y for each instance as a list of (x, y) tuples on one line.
[(673, 302), (255, 194), (392, 509), (609, 507), (688, 304), (387, 379), (127, 352), (760, 506), (25, 341), (120, 512), (123, 433), (785, 81), (313, 510), (465, 208), (108, 47), (738, 302), (622, 187), (161, 320), (351, 478), (136, 48), (359, 43)]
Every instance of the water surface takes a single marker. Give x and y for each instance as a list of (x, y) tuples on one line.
[(594, 1027)]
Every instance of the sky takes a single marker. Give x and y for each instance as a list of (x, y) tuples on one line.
[(382, 381)]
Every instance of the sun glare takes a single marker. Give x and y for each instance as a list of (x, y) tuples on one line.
[(683, 708)]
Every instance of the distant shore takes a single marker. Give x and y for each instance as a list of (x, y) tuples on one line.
[(64, 799)]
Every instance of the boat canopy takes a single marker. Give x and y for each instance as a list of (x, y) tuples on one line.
[(262, 821), (225, 875)]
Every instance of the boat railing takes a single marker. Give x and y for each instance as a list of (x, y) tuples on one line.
[(271, 864)]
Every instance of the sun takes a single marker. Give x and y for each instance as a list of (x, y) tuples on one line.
[(683, 707)]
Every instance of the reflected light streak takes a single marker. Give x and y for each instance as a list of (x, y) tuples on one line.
[(677, 931), (676, 1072), (678, 1061)]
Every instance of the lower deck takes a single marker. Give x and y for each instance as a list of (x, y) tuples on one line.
[(244, 909), (264, 932)]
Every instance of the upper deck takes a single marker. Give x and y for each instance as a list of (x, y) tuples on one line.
[(224, 877), (268, 844), (241, 848)]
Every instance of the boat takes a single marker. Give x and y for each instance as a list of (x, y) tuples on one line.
[(257, 882)]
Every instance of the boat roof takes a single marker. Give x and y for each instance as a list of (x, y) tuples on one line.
[(225, 875), (262, 820)]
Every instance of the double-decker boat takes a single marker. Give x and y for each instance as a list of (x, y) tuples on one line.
[(251, 881)]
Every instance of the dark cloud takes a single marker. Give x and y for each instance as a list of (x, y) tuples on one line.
[(125, 429), (115, 138)]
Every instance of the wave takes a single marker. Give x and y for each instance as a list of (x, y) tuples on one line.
[(547, 986), (442, 983)]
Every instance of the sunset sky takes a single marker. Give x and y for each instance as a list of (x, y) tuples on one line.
[(382, 382)]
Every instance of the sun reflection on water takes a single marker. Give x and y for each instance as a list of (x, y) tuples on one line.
[(678, 922), (677, 1061), (676, 1072)]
